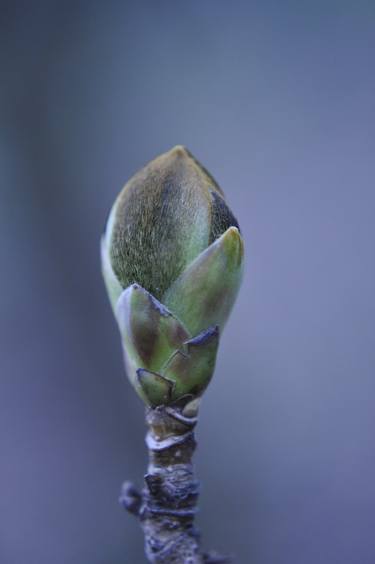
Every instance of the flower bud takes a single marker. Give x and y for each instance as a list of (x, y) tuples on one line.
[(172, 258)]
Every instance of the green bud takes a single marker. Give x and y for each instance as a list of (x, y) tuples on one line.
[(172, 258)]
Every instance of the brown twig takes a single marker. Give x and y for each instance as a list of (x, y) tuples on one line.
[(167, 505)]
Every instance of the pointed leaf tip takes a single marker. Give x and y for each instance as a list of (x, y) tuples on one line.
[(205, 292), (191, 368), (155, 389)]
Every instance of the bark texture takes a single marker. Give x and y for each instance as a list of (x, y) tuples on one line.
[(167, 505)]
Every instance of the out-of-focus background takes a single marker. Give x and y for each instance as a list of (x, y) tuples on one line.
[(277, 100)]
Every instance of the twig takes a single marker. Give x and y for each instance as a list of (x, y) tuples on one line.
[(167, 505)]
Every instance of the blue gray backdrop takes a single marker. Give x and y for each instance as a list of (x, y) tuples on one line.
[(277, 100)]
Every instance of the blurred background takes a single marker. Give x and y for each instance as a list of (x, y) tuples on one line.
[(277, 100)]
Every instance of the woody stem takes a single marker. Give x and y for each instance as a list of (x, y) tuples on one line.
[(168, 503)]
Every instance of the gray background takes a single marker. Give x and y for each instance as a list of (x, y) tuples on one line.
[(277, 100)]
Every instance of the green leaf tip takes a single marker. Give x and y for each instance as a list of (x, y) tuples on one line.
[(154, 388), (151, 332), (205, 292)]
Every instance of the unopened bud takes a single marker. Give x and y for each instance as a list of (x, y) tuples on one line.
[(172, 258)]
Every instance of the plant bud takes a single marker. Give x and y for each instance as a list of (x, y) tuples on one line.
[(172, 258)]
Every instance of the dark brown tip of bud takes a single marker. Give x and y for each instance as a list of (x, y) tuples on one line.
[(222, 217)]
